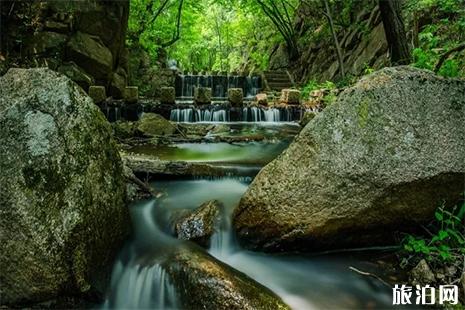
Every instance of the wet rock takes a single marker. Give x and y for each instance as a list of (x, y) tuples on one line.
[(202, 95), (91, 54), (199, 224), (97, 93), (206, 283), (152, 124), (290, 96), (422, 274), (62, 203), (131, 94), (236, 96), (379, 160), (168, 95)]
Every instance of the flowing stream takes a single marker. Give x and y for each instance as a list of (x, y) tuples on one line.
[(303, 282)]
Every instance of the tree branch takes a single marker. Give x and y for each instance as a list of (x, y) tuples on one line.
[(446, 55)]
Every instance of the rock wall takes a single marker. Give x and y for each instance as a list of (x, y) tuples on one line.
[(363, 45), (83, 39)]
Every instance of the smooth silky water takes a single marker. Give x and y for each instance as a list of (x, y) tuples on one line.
[(139, 281), (318, 282), (276, 138)]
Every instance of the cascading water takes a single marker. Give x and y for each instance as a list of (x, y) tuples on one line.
[(252, 114), (255, 114), (139, 280), (185, 84), (190, 115)]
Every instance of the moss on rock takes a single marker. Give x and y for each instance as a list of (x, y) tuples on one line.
[(62, 203)]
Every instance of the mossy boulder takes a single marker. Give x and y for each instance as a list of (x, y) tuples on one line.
[(206, 283), (380, 159), (152, 124), (62, 202), (199, 225)]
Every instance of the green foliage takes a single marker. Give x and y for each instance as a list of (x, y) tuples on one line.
[(446, 241), (444, 30), (215, 35), (314, 85)]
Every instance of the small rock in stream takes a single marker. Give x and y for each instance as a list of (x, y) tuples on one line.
[(199, 225)]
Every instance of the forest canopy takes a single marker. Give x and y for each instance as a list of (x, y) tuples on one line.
[(240, 35)]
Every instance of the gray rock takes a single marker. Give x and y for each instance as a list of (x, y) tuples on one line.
[(200, 224), (62, 201), (91, 54), (77, 74), (380, 159), (422, 274), (207, 283)]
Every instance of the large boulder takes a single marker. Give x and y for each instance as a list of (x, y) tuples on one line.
[(62, 201), (382, 158), (206, 283)]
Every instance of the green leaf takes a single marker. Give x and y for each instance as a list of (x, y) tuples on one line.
[(438, 216), (443, 234)]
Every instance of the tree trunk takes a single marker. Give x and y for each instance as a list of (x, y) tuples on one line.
[(391, 15), (336, 41)]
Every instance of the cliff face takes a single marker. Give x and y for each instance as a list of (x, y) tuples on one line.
[(83, 39), (363, 45)]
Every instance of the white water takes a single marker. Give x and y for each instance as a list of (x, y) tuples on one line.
[(190, 115), (138, 281), (253, 114)]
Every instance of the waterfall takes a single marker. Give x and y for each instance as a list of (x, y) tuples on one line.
[(272, 115), (214, 114), (219, 84), (141, 287), (190, 115), (182, 115)]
